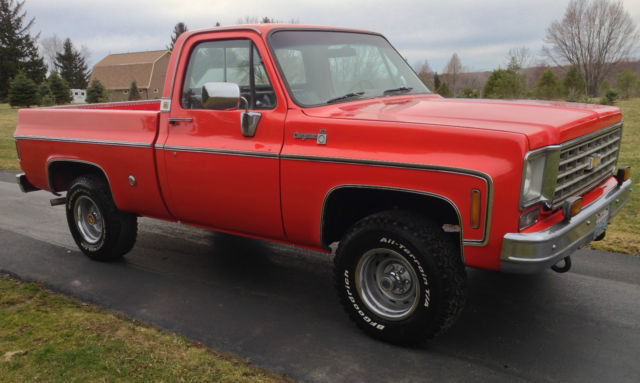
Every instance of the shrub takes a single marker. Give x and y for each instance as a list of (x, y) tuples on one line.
[(134, 93), (23, 91), (574, 82), (469, 93), (548, 86), (96, 92), (609, 98), (59, 89), (505, 84), (444, 90)]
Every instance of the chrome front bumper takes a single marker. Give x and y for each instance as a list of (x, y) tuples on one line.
[(533, 252)]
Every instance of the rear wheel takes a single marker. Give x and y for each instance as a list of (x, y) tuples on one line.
[(99, 229), (400, 278)]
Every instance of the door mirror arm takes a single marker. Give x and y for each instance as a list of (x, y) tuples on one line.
[(249, 120)]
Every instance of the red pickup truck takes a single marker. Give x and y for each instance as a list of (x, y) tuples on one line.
[(313, 136)]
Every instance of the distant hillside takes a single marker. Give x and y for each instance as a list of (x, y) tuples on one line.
[(476, 80)]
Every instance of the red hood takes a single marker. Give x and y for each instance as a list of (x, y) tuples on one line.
[(543, 122)]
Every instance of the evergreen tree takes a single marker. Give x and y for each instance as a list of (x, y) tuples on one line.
[(179, 29), (44, 90), (134, 93), (96, 92), (59, 89), (18, 50), (436, 81), (505, 84), (444, 90), (46, 98), (548, 86), (72, 66), (574, 83), (23, 91)]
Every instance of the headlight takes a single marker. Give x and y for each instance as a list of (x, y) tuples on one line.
[(539, 175), (532, 179)]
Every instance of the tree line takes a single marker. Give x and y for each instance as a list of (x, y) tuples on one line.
[(23, 72), (586, 45)]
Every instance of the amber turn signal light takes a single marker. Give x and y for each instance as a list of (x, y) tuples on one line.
[(475, 208), (623, 174), (571, 207)]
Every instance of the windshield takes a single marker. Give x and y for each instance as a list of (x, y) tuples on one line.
[(322, 67)]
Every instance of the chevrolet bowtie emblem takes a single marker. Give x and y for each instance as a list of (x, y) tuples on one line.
[(594, 161)]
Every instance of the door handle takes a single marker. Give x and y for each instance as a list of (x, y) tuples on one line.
[(174, 121)]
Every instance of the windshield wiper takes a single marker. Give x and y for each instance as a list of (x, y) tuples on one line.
[(402, 89), (346, 96)]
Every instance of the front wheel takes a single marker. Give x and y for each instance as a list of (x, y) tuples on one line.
[(400, 278), (99, 229)]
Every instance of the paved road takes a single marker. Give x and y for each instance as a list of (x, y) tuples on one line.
[(276, 306)]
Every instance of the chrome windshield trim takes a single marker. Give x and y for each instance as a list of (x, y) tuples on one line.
[(407, 165), (227, 152), (327, 29), (85, 141)]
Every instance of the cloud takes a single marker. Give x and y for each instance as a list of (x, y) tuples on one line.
[(481, 32)]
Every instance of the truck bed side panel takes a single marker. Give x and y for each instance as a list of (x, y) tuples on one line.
[(120, 142)]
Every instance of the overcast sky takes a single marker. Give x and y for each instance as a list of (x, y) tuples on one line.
[(480, 31)]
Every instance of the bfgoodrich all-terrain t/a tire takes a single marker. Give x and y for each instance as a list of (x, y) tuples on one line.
[(400, 278), (99, 229)]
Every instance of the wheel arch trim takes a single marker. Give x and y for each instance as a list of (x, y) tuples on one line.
[(393, 189), (52, 161)]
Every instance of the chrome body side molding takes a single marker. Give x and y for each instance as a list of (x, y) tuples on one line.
[(85, 141)]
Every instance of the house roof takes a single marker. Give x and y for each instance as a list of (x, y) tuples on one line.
[(117, 71)]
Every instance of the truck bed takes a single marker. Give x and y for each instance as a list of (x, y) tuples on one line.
[(117, 138)]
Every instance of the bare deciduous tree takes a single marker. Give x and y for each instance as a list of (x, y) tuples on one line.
[(50, 47), (594, 35), (451, 72), (521, 56), (425, 73)]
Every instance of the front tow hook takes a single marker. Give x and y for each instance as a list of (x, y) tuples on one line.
[(564, 268)]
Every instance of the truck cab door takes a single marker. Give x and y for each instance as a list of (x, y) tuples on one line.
[(217, 176)]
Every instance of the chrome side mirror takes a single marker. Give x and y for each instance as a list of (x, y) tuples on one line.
[(226, 95), (220, 95)]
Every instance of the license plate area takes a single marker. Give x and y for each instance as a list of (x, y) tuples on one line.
[(602, 219)]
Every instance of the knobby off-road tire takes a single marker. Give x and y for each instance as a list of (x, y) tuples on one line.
[(400, 278), (100, 230)]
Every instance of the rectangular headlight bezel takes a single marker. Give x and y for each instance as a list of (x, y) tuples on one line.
[(539, 176)]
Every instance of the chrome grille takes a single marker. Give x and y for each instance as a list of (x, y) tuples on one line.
[(576, 170)]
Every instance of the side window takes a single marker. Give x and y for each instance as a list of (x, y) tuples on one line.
[(227, 61)]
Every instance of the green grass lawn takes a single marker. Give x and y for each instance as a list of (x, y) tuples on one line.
[(8, 118), (623, 235), (46, 337)]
